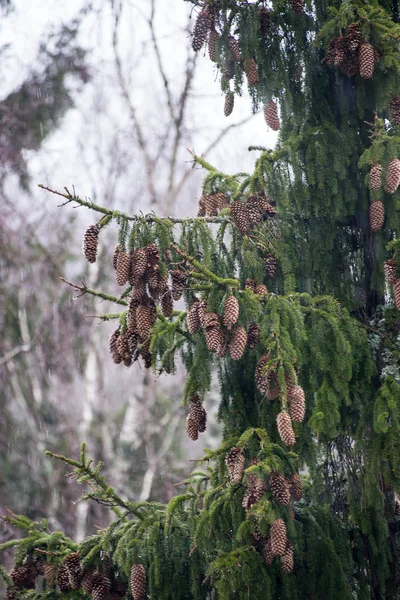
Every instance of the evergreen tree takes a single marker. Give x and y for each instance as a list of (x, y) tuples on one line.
[(283, 277)]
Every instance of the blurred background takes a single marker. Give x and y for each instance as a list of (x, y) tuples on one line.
[(106, 96)]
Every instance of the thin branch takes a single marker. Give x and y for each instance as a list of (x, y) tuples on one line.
[(14, 352), (85, 290), (203, 271)]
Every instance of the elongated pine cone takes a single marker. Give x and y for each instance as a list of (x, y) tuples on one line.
[(390, 270), (295, 487), (63, 581), (167, 304), (367, 60), (138, 582), (198, 412), (297, 403), (234, 48), (268, 555), (50, 575), (279, 488), (123, 268), (285, 429), (253, 494), (395, 109), (193, 319), (271, 266), (271, 115), (278, 537), (253, 335), (115, 355), (396, 293), (139, 264), (240, 215), (90, 243), (88, 579), (229, 103), (238, 343), (287, 559), (212, 45), (235, 462), (231, 312), (101, 587), (392, 176), (261, 289), (74, 568), (201, 30), (375, 177), (250, 68), (24, 576), (178, 283), (376, 215)]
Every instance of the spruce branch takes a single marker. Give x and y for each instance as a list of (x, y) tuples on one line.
[(204, 271), (85, 290)]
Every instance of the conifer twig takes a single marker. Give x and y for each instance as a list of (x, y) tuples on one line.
[(204, 271)]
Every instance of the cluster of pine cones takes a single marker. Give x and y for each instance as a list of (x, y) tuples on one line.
[(351, 54), (69, 575), (204, 32), (377, 209), (283, 490), (392, 279)]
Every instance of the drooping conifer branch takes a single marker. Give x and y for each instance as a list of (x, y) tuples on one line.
[(204, 272)]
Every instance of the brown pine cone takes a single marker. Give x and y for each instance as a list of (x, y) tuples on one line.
[(193, 319), (375, 177), (167, 304), (271, 115), (253, 335), (392, 176), (390, 267), (123, 269), (295, 487), (279, 488), (287, 559), (367, 60), (250, 68), (285, 429), (238, 343), (297, 403), (74, 569), (268, 555), (235, 462), (229, 103), (178, 283), (90, 243), (200, 31), (231, 312), (113, 345), (278, 537)]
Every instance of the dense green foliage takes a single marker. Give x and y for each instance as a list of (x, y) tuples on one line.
[(328, 322)]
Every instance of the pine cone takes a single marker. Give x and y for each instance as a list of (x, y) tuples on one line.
[(131, 315), (395, 109), (211, 204), (115, 256), (178, 283), (367, 60), (261, 373), (250, 68), (115, 355), (271, 266), (234, 48), (139, 264), (223, 348), (200, 31), (354, 37), (298, 73), (375, 177), (376, 215), (287, 559), (123, 268), (350, 65), (278, 537), (152, 256), (193, 319), (297, 403), (214, 337), (153, 283), (74, 569), (253, 335), (238, 343), (340, 50), (295, 487), (231, 312), (167, 304), (229, 103), (392, 176), (265, 22), (24, 576), (254, 493), (235, 462), (285, 429), (297, 6), (101, 587), (396, 293), (254, 208), (90, 242), (88, 579), (145, 320), (191, 428), (279, 488), (198, 413), (50, 575), (212, 45), (63, 581), (390, 270), (271, 115), (251, 284), (201, 211), (138, 582), (268, 555), (138, 288), (240, 215)]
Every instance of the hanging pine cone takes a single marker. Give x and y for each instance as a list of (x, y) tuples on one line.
[(268, 555), (88, 579), (234, 48), (222, 200), (200, 31), (240, 215), (50, 575), (193, 319), (254, 208), (252, 496), (376, 215), (235, 462), (297, 6), (265, 22), (138, 288), (123, 349), (396, 293), (354, 37), (231, 312), (123, 268), (340, 51), (139, 264), (113, 345), (63, 578), (115, 256), (285, 429), (350, 64), (390, 270), (167, 304), (191, 428), (90, 243), (251, 284), (271, 385), (271, 115), (278, 537), (260, 373), (392, 176), (395, 109), (223, 348), (145, 320), (212, 45), (229, 103), (201, 211), (375, 177), (131, 322), (101, 587), (178, 283), (297, 403), (202, 312), (214, 337), (279, 488), (153, 283), (238, 343), (152, 256), (271, 266), (24, 576), (250, 68), (253, 335), (287, 559), (295, 487), (261, 289), (198, 413), (133, 339), (367, 60), (74, 569)]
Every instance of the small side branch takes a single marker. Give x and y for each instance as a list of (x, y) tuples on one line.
[(85, 290), (204, 272)]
